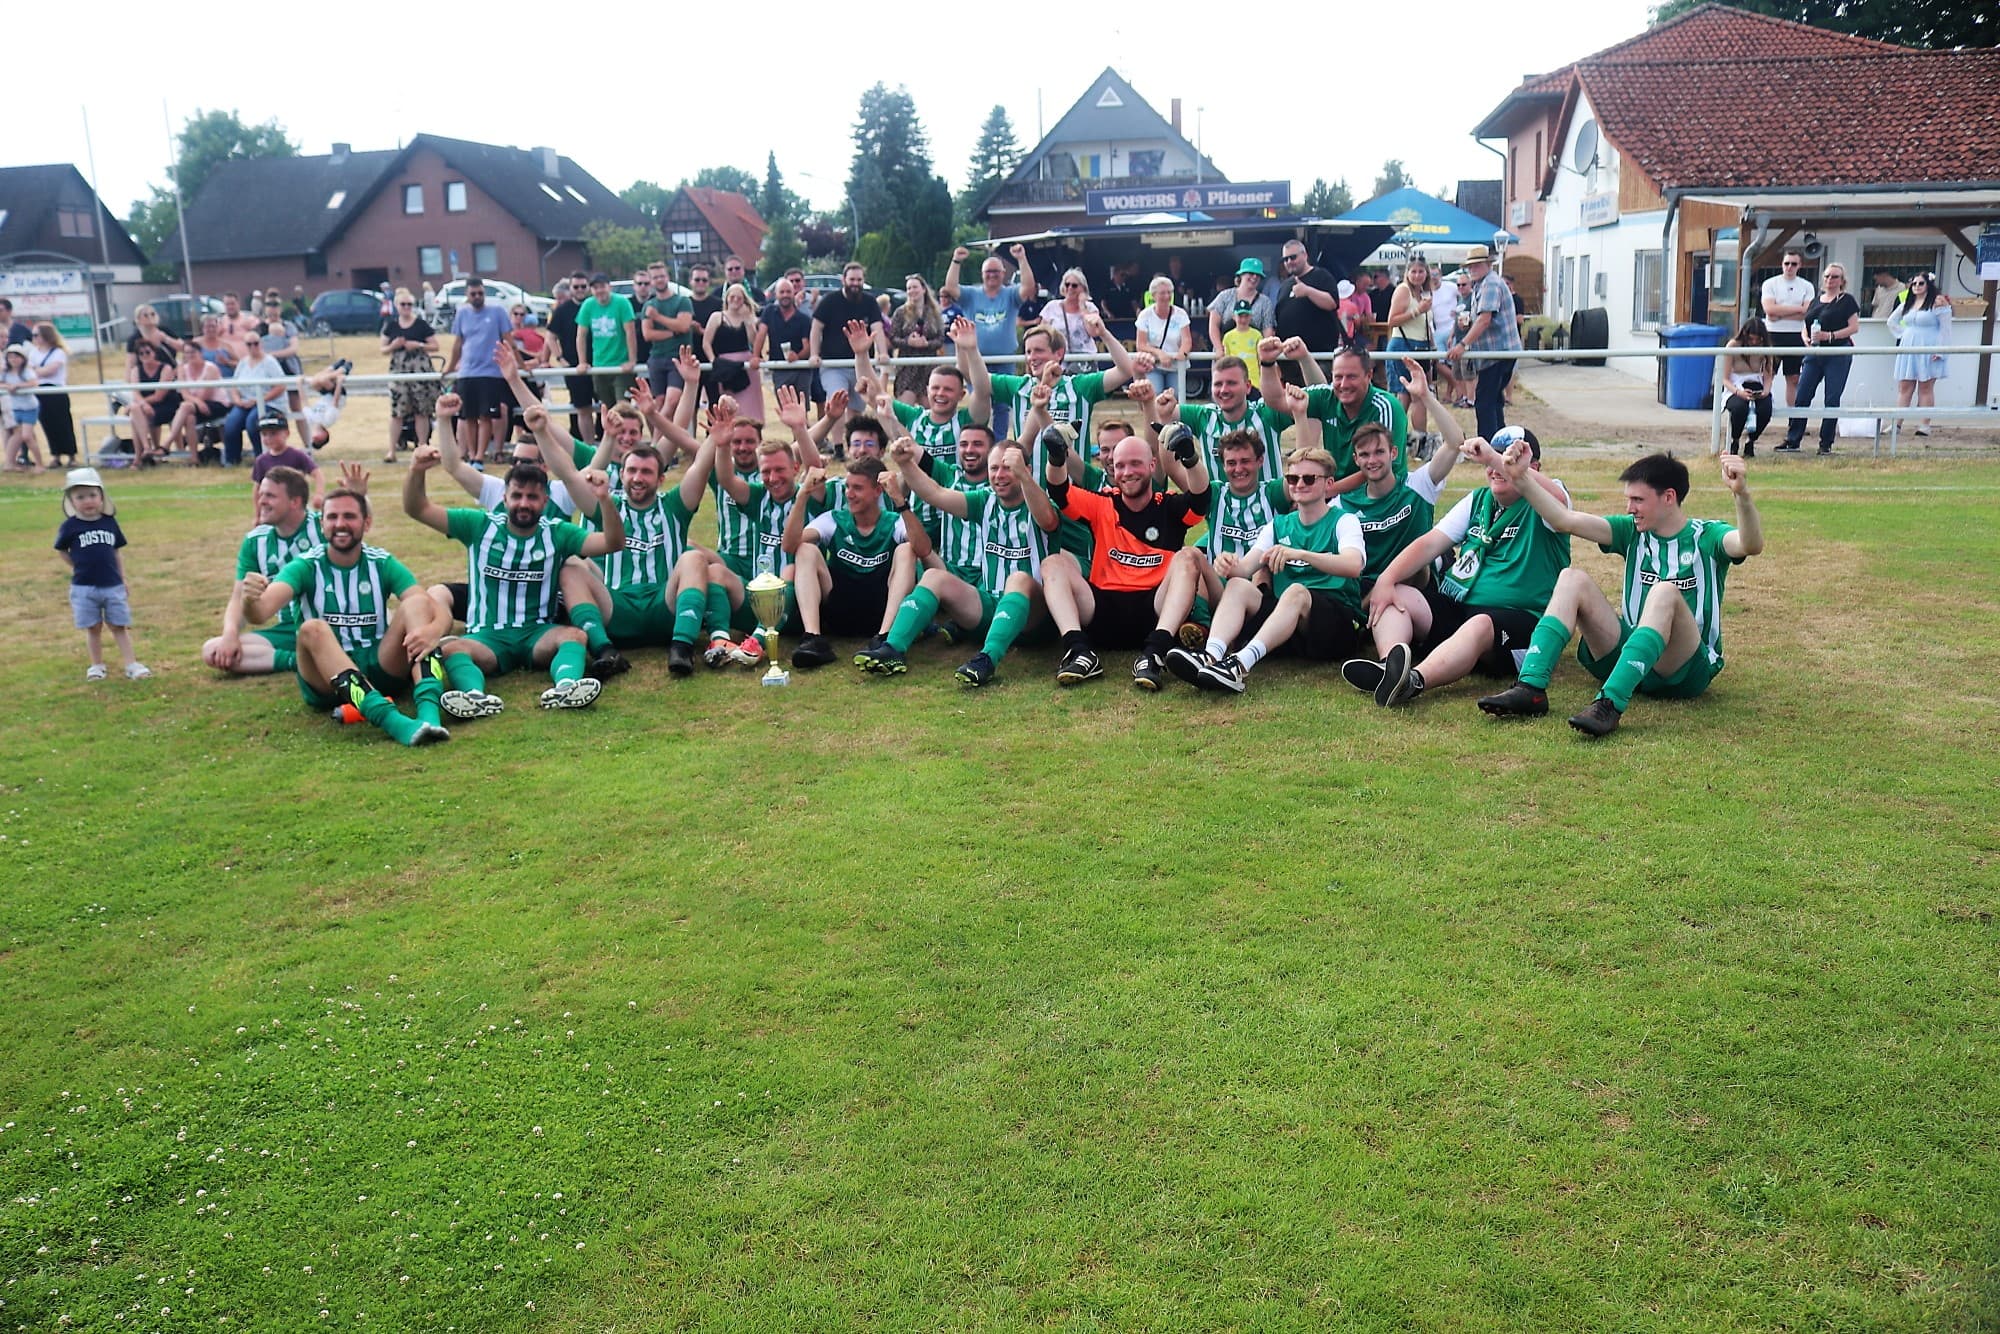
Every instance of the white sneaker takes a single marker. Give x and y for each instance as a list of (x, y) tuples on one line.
[(96, 672), (137, 671), (580, 693), (468, 704)]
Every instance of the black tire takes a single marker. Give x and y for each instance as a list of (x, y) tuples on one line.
[(321, 329), (1590, 329)]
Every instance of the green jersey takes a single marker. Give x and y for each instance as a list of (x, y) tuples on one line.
[(604, 322), (958, 541), (1337, 428), (853, 554), (353, 599), (655, 537), (1069, 401), (937, 438), (1506, 557), (1692, 560), (1392, 522), (511, 577), (1234, 521), (1334, 531), (1260, 419), (1011, 542), (767, 517), (585, 454), (735, 535), (666, 307), (265, 551)]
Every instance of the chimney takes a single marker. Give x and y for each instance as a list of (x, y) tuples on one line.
[(551, 164), (340, 152), (1174, 114)]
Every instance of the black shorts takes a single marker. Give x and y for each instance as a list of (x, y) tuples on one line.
[(855, 607), (581, 396), (1512, 629), (1123, 617), (1788, 365), (483, 396), (1332, 632), (461, 596), (207, 410)]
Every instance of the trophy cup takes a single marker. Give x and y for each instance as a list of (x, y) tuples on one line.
[(767, 603)]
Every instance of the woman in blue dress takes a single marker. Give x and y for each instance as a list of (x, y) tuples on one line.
[(1921, 322)]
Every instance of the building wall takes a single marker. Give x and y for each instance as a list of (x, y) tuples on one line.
[(1114, 157), (384, 237), (1521, 182), (243, 276)]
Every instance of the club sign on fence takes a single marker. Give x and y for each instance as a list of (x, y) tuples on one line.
[(59, 296)]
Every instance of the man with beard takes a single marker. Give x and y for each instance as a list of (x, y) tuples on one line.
[(1342, 407), (843, 559), (766, 504), (658, 583), (286, 528), (352, 652), (512, 559), (830, 320)]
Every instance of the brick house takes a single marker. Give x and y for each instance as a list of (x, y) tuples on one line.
[(430, 211), (702, 226)]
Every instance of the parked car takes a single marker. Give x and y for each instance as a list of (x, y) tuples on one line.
[(505, 295), (345, 310), (623, 287), (180, 316)]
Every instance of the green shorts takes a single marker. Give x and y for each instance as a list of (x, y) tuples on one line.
[(370, 667), (1689, 682), (283, 637), (642, 618), (512, 649), (610, 387)]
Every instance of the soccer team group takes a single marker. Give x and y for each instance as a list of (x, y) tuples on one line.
[(1332, 552)]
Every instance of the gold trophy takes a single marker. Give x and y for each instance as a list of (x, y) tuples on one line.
[(767, 603)]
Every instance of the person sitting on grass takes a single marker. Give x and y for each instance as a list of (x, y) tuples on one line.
[(286, 527), (352, 653), (843, 561), (1664, 639)]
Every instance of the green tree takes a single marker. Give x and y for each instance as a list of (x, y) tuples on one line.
[(1934, 24), (898, 198), (733, 179), (996, 154), (649, 197), (777, 199), (619, 250), (1328, 201), (208, 137), (783, 211), (1392, 177)]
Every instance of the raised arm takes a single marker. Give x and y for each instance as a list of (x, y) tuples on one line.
[(1311, 431), (792, 411), (1123, 368), (468, 477), (1517, 463), (812, 483), (979, 399), (1418, 382), (1040, 507), (860, 337), (694, 482), (416, 498), (1270, 381), (265, 605), (948, 289), (915, 535), (1294, 349), (1030, 289), (610, 534), (1748, 539)]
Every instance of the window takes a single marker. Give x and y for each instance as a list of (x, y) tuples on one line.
[(1648, 271), (1541, 163), (549, 190), (1905, 261), (1513, 171), (430, 261), (336, 199), (74, 222), (485, 257), (686, 243), (413, 199), (1147, 161), (1565, 274), (454, 196), (571, 191), (315, 265)]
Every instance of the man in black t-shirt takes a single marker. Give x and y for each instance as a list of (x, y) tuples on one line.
[(732, 274), (562, 327), (830, 320), (701, 291), (788, 341), (1308, 308)]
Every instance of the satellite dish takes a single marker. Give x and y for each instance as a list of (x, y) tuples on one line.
[(1584, 156)]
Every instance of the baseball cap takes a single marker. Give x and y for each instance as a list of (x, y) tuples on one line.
[(1506, 437), (84, 477), (273, 418), (1245, 308)]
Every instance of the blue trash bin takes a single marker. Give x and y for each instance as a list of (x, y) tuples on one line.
[(1688, 377)]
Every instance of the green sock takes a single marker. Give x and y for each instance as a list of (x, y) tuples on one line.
[(912, 617), (590, 620), (1010, 618), (427, 688), (719, 613), (1641, 651), (567, 665), (380, 710), (283, 660), (464, 674), (687, 614), (1545, 650)]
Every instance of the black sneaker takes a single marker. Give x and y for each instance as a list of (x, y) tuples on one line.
[(1519, 700), (1825, 450), (1079, 665), (343, 365), (609, 663), (1600, 719), (1186, 663), (882, 661), (1393, 688), (1406, 693), (1147, 673), (680, 658), (1229, 674), (978, 671), (1789, 447), (865, 659), (950, 631), (1364, 674), (813, 651)]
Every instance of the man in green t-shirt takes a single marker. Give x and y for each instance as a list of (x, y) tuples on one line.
[(846, 561), (607, 342), (1395, 510), (1480, 614), (286, 527), (1664, 638), (353, 653), (512, 558)]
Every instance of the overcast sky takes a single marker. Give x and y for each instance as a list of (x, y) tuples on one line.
[(364, 73)]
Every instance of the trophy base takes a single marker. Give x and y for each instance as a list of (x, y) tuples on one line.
[(776, 676)]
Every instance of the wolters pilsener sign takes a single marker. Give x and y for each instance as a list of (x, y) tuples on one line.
[(1168, 197)]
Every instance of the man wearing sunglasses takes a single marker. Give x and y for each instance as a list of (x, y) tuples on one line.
[(1785, 298)]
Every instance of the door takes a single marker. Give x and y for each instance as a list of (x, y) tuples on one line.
[(1698, 287), (369, 278)]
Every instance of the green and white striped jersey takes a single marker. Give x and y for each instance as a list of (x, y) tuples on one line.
[(767, 529), (937, 438), (353, 599), (958, 541), (1692, 560), (1260, 419), (1234, 521), (655, 537), (1069, 402), (734, 530), (266, 551), (511, 577), (1011, 542)]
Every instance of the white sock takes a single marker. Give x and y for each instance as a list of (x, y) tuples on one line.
[(1251, 654), (1217, 649)]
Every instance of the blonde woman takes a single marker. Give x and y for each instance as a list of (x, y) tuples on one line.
[(409, 340), (1164, 331), (916, 330), (1831, 321), (1067, 313), (736, 345)]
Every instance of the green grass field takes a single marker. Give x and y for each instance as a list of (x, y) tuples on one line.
[(885, 1004)]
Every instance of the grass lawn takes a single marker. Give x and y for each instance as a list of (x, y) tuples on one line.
[(886, 1004)]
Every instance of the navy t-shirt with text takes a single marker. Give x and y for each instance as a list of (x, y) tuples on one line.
[(92, 545)]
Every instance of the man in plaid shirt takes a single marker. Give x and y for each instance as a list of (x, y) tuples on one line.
[(1494, 329)]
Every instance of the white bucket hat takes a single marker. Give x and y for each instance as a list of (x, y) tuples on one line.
[(84, 477)]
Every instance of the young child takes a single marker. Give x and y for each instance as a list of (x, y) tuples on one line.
[(21, 444), (89, 540), (1241, 339)]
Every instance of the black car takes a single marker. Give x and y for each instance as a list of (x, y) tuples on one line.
[(349, 311)]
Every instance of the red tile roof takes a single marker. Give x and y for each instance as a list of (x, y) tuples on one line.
[(1878, 116), (735, 220)]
